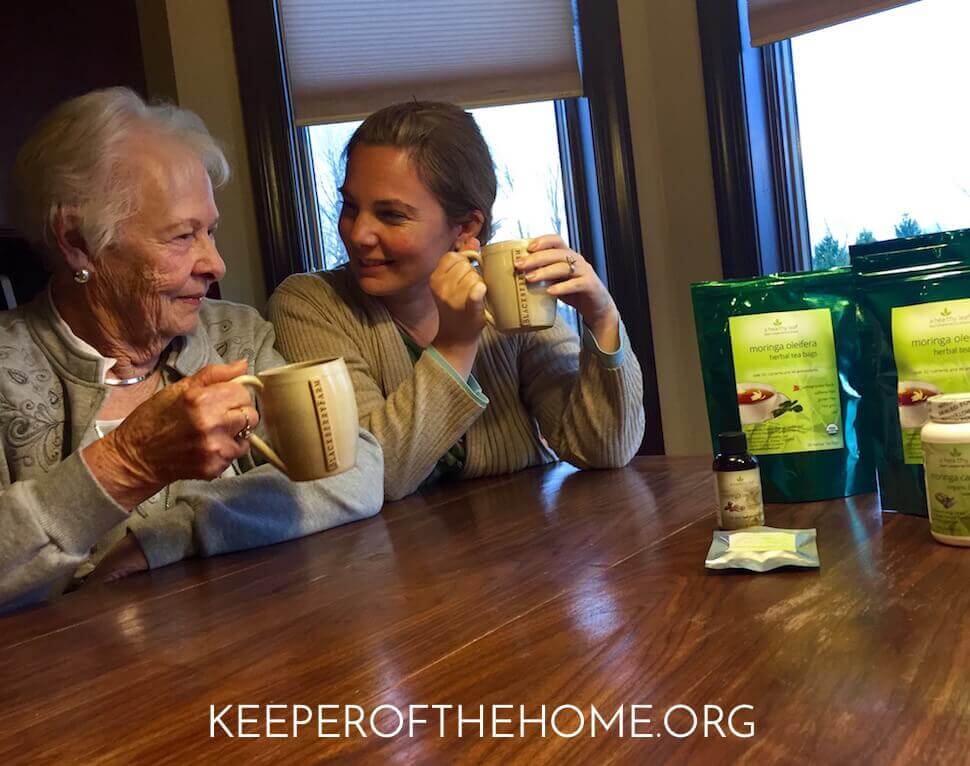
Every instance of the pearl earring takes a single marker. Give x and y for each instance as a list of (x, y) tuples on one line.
[(81, 276)]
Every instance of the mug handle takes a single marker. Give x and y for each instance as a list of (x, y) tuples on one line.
[(255, 383), (474, 257)]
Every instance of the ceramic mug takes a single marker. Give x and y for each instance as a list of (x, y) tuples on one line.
[(512, 303), (310, 413)]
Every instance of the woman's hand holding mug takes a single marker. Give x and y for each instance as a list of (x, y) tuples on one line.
[(459, 293), (573, 280), (189, 430)]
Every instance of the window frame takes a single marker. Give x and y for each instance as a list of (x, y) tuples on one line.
[(600, 173), (314, 257), (755, 151), (271, 138)]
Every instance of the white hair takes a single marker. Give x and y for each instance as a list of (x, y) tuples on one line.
[(70, 167)]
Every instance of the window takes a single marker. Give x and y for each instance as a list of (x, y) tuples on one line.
[(883, 126), (524, 145), (848, 133), (327, 144)]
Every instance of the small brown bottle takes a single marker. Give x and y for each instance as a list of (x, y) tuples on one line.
[(738, 479)]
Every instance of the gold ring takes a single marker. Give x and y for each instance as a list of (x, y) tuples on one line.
[(571, 262)]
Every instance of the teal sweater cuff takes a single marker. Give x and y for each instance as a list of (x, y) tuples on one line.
[(609, 360), (471, 386)]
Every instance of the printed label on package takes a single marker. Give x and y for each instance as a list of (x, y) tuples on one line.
[(787, 381), (931, 344), (948, 488)]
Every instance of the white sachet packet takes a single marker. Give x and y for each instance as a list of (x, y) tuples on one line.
[(761, 549)]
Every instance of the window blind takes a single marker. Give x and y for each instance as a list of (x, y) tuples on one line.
[(345, 59), (772, 20)]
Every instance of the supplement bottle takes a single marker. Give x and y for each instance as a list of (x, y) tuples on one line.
[(738, 480), (946, 458)]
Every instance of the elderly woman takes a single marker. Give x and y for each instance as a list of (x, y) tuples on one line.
[(124, 437), (445, 394)]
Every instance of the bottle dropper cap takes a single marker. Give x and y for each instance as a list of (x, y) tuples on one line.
[(732, 443)]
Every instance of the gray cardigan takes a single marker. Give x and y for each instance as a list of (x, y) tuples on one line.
[(53, 510)]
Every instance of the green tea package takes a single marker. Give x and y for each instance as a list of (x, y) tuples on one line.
[(914, 304), (780, 359)]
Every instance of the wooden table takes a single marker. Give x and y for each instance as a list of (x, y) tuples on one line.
[(550, 587)]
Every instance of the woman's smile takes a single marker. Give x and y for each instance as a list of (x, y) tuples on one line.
[(373, 265)]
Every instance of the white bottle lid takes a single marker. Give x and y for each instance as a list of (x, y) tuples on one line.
[(950, 408)]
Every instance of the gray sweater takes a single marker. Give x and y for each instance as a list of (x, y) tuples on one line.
[(541, 390), (53, 510)]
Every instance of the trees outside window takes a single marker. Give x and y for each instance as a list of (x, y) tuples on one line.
[(882, 126)]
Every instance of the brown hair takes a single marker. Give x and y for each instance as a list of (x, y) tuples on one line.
[(447, 149)]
